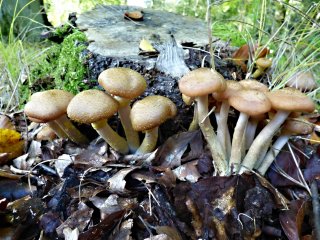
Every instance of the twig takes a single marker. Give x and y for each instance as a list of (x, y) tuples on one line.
[(316, 208)]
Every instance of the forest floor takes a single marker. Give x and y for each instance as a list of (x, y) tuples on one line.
[(58, 189)]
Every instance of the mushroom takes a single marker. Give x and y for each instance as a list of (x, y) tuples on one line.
[(223, 97), (50, 107), (284, 100), (95, 107), (304, 81), (290, 127), (253, 120), (147, 115), (198, 84), (124, 84), (248, 51), (262, 65), (248, 103)]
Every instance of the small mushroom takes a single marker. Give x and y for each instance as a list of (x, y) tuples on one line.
[(95, 107), (124, 84), (147, 115), (50, 107), (248, 103), (262, 65), (285, 101), (198, 84), (290, 128)]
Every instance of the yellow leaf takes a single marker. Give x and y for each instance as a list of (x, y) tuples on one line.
[(11, 143), (146, 46)]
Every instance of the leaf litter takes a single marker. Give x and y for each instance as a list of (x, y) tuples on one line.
[(65, 191)]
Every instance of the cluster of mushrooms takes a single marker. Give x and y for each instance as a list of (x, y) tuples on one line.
[(245, 150), (56, 108)]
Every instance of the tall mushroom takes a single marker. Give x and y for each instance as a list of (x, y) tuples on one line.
[(147, 115), (248, 103), (223, 97), (198, 84), (50, 107), (253, 120), (124, 84), (95, 107), (285, 100)]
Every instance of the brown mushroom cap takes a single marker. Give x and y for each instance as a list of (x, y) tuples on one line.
[(251, 102), (231, 88), (122, 82), (303, 81), (264, 62), (297, 127), (201, 81), (91, 106), (290, 99), (48, 105), (254, 85), (151, 111)]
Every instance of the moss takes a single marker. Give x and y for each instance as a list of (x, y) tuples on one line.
[(61, 66)]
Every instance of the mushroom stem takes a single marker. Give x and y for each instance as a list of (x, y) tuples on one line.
[(219, 158), (110, 136), (57, 129), (149, 142), (131, 135), (273, 153), (258, 72), (258, 147), (250, 132), (223, 131), (237, 142), (72, 132), (194, 125)]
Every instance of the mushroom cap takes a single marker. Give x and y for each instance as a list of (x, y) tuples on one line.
[(122, 82), (232, 88), (251, 102), (254, 85), (290, 99), (304, 81), (264, 62), (296, 127), (48, 105), (202, 81), (91, 106), (151, 111)]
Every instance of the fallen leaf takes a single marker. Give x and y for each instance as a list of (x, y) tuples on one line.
[(291, 220), (187, 172), (124, 231), (78, 219), (312, 168), (10, 143), (117, 183), (71, 234), (170, 153), (103, 227)]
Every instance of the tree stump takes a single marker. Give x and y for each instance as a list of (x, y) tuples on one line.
[(114, 42)]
